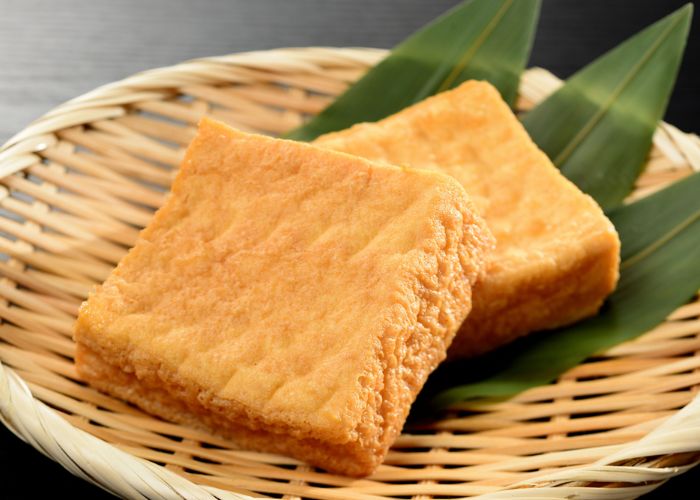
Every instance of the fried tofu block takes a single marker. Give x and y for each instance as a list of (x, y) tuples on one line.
[(557, 255), (291, 298)]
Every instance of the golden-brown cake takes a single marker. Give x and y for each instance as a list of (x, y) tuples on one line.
[(292, 298), (557, 254)]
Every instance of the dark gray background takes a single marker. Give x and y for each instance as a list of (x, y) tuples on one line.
[(51, 51)]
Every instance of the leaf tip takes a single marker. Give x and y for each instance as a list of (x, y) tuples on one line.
[(684, 13)]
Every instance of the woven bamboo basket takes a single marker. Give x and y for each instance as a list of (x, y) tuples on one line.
[(79, 183)]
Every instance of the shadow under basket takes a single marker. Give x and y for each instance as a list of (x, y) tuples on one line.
[(79, 183)]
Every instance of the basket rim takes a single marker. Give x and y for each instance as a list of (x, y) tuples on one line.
[(117, 471)]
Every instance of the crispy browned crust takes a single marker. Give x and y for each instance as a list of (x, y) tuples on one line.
[(150, 394)]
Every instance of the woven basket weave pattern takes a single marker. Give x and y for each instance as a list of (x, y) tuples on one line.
[(79, 183)]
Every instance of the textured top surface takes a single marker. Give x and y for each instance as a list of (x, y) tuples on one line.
[(269, 276)]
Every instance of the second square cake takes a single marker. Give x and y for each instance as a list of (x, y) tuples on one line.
[(557, 255)]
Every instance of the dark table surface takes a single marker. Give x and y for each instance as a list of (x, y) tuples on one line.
[(52, 51)]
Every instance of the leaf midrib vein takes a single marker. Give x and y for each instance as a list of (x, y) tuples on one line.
[(474, 48), (657, 244), (595, 119)]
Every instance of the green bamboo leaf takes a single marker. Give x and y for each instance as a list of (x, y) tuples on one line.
[(478, 39), (660, 271), (598, 127)]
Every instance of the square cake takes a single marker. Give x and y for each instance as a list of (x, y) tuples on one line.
[(557, 255), (291, 298)]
